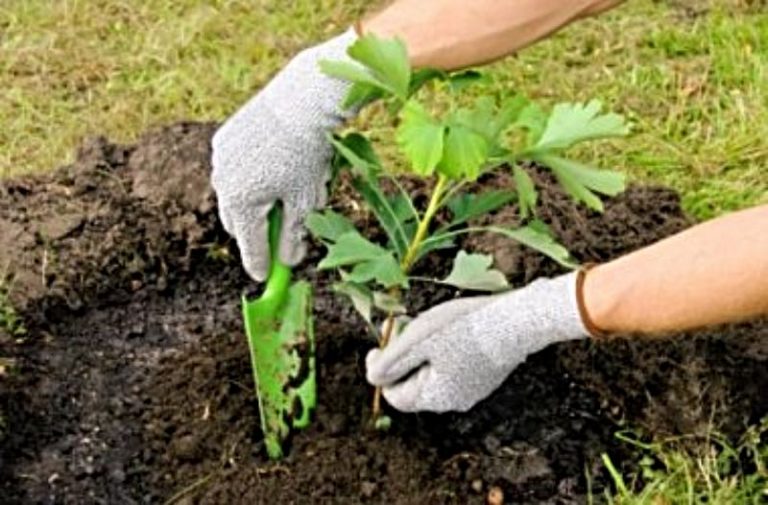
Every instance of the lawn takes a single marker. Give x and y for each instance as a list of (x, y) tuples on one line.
[(692, 77)]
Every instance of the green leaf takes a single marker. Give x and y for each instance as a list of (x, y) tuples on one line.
[(465, 78), (536, 238), (328, 225), (353, 73), (360, 296), (473, 271), (361, 94), (424, 75), (484, 118), (571, 123), (402, 207), (420, 138), (386, 60), (351, 248), (532, 118), (373, 195), (384, 269), (388, 303), (464, 153), (371, 261), (436, 244), (526, 192), (357, 150), (466, 206), (581, 181)]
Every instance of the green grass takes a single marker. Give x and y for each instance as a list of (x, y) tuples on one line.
[(695, 87), (691, 471), (11, 324)]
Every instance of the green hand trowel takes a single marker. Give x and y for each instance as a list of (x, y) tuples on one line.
[(282, 344)]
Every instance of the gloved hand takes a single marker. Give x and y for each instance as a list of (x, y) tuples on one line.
[(275, 148), (459, 352)]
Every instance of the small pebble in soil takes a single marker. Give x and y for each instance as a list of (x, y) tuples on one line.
[(367, 489), (495, 496), (477, 486), (186, 447)]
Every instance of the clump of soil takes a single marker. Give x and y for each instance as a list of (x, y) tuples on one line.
[(132, 382)]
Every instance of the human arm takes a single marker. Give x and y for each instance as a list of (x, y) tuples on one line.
[(452, 34), (274, 148), (715, 272)]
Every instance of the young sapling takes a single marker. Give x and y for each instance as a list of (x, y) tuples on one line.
[(447, 147)]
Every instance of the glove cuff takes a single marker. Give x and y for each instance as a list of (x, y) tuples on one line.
[(592, 329), (568, 321)]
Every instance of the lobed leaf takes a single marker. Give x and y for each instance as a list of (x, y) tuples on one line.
[(484, 117), (539, 239), (385, 270), (328, 225), (369, 261), (386, 60), (464, 153), (420, 138), (473, 271), (351, 248), (571, 123), (581, 181)]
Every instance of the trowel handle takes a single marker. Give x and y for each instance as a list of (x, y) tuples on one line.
[(279, 278)]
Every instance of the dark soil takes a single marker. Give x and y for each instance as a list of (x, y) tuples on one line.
[(132, 383)]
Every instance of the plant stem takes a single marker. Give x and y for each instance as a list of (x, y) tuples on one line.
[(423, 227), (435, 201), (386, 333)]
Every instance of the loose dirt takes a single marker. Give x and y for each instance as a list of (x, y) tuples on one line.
[(132, 383)]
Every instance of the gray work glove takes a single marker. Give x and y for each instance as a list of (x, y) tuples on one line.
[(275, 149), (457, 353)]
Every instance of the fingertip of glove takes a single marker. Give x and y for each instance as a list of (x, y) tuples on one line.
[(258, 274), (292, 251), (404, 396), (373, 372)]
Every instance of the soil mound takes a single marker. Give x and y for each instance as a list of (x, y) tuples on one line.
[(132, 383)]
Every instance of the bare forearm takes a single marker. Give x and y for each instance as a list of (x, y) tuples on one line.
[(451, 34), (713, 273)]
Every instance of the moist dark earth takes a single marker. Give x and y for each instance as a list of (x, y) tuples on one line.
[(132, 383)]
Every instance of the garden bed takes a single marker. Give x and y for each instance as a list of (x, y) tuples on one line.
[(132, 382)]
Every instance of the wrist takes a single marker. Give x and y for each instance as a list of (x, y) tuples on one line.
[(598, 300), (590, 313)]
